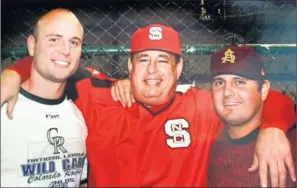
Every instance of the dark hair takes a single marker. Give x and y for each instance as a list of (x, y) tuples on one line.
[(260, 84), (259, 81), (177, 57)]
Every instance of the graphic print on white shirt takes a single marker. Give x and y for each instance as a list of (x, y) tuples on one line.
[(44, 144)]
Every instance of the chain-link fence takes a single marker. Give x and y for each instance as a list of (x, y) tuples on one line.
[(204, 26)]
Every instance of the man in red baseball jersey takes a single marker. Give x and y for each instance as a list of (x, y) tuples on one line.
[(239, 88), (164, 139)]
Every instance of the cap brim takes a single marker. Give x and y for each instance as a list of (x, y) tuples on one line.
[(163, 50), (247, 76)]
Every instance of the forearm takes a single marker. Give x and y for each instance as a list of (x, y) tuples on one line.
[(10, 76), (278, 111), (97, 74), (22, 68), (10, 85)]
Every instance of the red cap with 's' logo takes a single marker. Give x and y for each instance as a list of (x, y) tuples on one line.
[(156, 37)]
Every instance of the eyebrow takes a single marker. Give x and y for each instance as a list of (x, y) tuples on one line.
[(215, 79), (161, 55), (58, 35), (164, 56), (234, 78), (53, 35), (241, 78), (142, 55)]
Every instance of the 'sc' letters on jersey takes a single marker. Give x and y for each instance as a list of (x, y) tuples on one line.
[(179, 136)]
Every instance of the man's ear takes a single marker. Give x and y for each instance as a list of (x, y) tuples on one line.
[(130, 65), (179, 67), (265, 89), (31, 42)]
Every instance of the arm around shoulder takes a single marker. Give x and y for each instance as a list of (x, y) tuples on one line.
[(10, 85), (279, 111)]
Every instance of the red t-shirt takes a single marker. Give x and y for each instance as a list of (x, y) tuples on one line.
[(164, 146)]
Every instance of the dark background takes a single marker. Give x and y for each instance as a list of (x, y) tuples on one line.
[(254, 21), (112, 22)]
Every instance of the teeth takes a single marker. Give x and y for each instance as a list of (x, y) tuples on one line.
[(231, 104), (152, 82), (61, 63)]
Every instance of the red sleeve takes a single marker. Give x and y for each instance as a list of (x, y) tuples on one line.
[(89, 86), (278, 111), (95, 73), (207, 113), (91, 92), (22, 67), (88, 83), (83, 101)]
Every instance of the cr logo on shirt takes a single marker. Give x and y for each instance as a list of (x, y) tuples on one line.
[(179, 137), (56, 141)]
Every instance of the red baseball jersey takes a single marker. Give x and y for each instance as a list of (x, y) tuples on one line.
[(139, 146), (168, 145)]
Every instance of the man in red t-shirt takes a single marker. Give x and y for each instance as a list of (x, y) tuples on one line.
[(164, 139), (239, 88)]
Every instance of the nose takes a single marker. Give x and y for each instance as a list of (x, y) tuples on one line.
[(152, 67), (228, 90), (65, 49)]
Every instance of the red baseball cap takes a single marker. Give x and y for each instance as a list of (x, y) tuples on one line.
[(156, 37), (238, 60)]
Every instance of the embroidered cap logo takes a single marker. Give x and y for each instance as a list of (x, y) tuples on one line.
[(228, 57), (155, 33)]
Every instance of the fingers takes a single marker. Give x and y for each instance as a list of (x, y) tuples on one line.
[(116, 92), (291, 167), (282, 173), (10, 106), (133, 99), (121, 91), (3, 96), (2, 101), (255, 165), (121, 95), (118, 95), (263, 174), (132, 96), (127, 96), (273, 171), (113, 93)]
